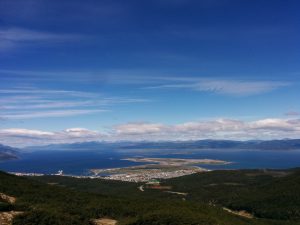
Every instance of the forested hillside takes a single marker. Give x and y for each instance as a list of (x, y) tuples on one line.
[(263, 193), (269, 194), (66, 201)]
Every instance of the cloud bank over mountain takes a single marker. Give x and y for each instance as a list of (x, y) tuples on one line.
[(269, 128)]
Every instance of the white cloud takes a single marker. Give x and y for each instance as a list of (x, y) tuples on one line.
[(239, 87), (210, 126), (14, 37), (27, 137), (138, 128), (29, 103), (276, 124), (227, 87), (25, 132), (81, 132), (292, 113), (42, 92), (268, 128), (217, 129), (47, 114), (151, 80)]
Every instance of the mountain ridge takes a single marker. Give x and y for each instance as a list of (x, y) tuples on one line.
[(283, 144), (7, 152)]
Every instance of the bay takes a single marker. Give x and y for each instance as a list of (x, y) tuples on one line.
[(80, 162)]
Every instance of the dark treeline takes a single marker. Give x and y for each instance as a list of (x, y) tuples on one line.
[(70, 201)]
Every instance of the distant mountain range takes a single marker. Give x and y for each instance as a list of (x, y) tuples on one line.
[(75, 146), (161, 147), (178, 146), (7, 152)]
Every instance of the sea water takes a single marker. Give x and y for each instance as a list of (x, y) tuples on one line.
[(80, 162)]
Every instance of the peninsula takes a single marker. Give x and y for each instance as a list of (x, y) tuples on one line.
[(156, 168)]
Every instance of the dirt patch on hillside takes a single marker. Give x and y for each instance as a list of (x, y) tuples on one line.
[(242, 213), (6, 218), (7, 198), (159, 187), (104, 221), (177, 193)]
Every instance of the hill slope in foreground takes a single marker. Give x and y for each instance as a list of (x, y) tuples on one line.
[(254, 197)]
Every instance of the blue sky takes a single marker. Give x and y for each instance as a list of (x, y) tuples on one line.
[(138, 70)]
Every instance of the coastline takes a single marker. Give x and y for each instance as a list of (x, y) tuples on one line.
[(154, 168)]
